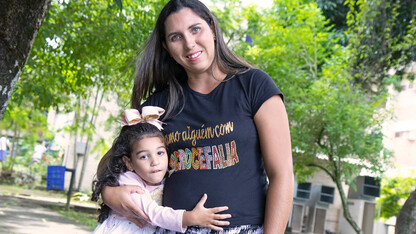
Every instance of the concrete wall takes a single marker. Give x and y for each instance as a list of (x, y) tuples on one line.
[(400, 132)]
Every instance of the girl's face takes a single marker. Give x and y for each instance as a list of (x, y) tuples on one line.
[(190, 41), (149, 160)]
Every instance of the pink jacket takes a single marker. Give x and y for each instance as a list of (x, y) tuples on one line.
[(159, 215)]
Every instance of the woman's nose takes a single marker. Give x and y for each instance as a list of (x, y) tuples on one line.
[(189, 41)]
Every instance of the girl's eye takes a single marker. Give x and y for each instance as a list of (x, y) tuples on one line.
[(160, 153), (196, 29), (143, 157)]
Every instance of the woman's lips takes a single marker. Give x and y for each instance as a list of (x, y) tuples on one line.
[(194, 56)]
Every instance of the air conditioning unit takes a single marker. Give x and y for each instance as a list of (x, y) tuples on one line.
[(81, 147), (368, 188), (322, 196), (296, 217), (303, 191), (316, 220), (300, 196)]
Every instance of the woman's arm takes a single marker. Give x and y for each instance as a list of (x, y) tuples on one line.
[(273, 128), (119, 199)]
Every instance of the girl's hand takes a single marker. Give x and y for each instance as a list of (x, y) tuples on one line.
[(119, 199), (206, 217)]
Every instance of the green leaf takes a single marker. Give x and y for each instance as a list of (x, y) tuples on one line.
[(119, 4)]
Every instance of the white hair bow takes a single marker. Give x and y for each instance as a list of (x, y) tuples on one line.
[(150, 114)]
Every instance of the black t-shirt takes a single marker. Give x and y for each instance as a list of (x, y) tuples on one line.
[(215, 148)]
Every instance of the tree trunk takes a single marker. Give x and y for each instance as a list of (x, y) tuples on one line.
[(93, 121), (345, 208), (406, 219), (336, 179), (75, 134), (19, 25), (84, 122)]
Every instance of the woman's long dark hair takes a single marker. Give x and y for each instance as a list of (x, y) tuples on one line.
[(122, 146), (157, 71)]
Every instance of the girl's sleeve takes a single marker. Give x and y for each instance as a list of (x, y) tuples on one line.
[(161, 216)]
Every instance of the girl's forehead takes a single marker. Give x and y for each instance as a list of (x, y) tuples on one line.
[(148, 140)]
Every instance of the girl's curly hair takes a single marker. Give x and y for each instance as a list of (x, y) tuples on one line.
[(122, 146)]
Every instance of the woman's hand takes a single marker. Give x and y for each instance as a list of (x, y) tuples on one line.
[(119, 199), (206, 217)]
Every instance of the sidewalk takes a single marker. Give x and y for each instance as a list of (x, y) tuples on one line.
[(22, 214)]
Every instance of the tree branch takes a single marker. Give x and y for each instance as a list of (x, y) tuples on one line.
[(318, 140), (324, 169)]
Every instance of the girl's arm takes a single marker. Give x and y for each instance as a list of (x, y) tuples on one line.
[(273, 128), (206, 217), (178, 220)]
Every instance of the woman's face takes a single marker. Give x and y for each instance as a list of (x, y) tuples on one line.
[(148, 159), (190, 41)]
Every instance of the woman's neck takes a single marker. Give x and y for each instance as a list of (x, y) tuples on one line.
[(206, 82)]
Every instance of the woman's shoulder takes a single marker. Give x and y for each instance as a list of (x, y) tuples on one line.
[(254, 73), (254, 77), (157, 99), (257, 83)]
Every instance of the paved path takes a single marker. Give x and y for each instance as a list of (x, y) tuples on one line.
[(24, 216)]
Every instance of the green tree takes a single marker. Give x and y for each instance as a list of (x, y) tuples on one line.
[(84, 54), (19, 26), (381, 37), (21, 120), (394, 192), (228, 15), (335, 126)]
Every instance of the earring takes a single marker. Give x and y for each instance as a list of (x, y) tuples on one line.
[(215, 38)]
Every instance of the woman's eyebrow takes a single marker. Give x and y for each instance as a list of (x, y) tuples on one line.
[(193, 25)]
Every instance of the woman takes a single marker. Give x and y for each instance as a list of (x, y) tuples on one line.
[(226, 124)]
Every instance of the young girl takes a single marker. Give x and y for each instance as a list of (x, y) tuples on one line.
[(139, 157)]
